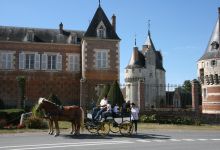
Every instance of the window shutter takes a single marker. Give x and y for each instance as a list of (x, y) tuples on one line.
[(21, 60), (37, 61), (77, 63), (9, 65), (59, 62), (70, 63), (44, 62)]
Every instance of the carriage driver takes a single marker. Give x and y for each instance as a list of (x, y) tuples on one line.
[(100, 109)]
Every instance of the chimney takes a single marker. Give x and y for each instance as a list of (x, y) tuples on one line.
[(61, 28), (114, 22)]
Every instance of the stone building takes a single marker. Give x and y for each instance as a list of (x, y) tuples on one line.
[(145, 76), (209, 73), (69, 63)]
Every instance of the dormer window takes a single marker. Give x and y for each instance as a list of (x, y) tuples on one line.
[(101, 30), (30, 36), (215, 45)]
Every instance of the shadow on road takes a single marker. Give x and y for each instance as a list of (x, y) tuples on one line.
[(112, 136)]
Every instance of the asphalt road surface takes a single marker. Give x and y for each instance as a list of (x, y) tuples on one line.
[(147, 140)]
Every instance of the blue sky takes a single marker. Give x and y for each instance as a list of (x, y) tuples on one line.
[(180, 28)]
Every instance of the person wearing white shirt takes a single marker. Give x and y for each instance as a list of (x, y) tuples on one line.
[(134, 115), (101, 108)]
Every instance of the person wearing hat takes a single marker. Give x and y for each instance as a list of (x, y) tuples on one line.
[(134, 115)]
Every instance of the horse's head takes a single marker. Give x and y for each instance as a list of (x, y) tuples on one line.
[(40, 103)]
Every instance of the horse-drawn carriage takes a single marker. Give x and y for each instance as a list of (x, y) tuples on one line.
[(120, 122), (75, 114)]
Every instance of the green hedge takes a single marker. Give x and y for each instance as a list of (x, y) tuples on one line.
[(36, 123), (12, 116)]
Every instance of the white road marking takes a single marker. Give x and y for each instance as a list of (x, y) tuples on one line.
[(215, 139), (158, 140), (47, 146), (202, 139), (144, 141), (188, 140), (175, 140)]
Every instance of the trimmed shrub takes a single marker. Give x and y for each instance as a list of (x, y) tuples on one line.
[(36, 123), (115, 95), (2, 105), (36, 113), (3, 123), (148, 119), (12, 116)]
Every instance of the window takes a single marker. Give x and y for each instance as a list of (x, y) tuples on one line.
[(51, 62), (29, 62), (30, 36), (101, 30), (213, 63), (73, 62), (215, 45), (101, 59), (6, 61)]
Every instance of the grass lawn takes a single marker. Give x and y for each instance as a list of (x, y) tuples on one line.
[(66, 127)]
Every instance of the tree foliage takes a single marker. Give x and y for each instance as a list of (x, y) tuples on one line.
[(115, 95), (187, 86), (104, 92), (21, 84)]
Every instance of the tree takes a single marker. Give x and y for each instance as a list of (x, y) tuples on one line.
[(104, 92), (115, 95), (187, 86), (53, 98), (21, 85)]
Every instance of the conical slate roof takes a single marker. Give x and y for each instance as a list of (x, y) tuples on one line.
[(149, 43), (98, 17), (213, 50), (137, 59)]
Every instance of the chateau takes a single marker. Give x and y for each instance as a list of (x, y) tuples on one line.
[(209, 73), (72, 64), (145, 76)]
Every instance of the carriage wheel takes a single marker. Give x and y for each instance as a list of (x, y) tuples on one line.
[(114, 127), (126, 128), (103, 128), (91, 127)]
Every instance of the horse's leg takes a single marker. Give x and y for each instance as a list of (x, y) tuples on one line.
[(72, 127), (77, 126), (57, 128), (49, 122), (51, 127)]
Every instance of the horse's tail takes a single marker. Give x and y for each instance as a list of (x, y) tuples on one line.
[(82, 118)]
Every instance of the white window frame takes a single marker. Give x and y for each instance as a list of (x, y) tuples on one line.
[(73, 62), (29, 61), (23, 61), (101, 30), (8, 62), (45, 61), (101, 58)]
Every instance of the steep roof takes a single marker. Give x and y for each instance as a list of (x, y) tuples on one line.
[(98, 17), (137, 59), (17, 34), (213, 48), (149, 43), (159, 61)]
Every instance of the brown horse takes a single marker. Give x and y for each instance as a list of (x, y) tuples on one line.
[(54, 113)]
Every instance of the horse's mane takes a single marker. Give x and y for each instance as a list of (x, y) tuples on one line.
[(41, 100)]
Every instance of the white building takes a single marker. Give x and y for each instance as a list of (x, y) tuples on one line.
[(146, 66)]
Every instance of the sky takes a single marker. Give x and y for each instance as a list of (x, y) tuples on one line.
[(180, 29)]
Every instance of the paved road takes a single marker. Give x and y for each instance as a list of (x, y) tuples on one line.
[(148, 140)]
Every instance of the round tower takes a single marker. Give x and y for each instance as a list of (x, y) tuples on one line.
[(209, 73)]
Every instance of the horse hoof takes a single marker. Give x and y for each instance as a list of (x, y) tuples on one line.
[(55, 135)]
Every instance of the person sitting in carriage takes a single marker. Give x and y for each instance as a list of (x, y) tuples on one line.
[(108, 111), (97, 111)]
